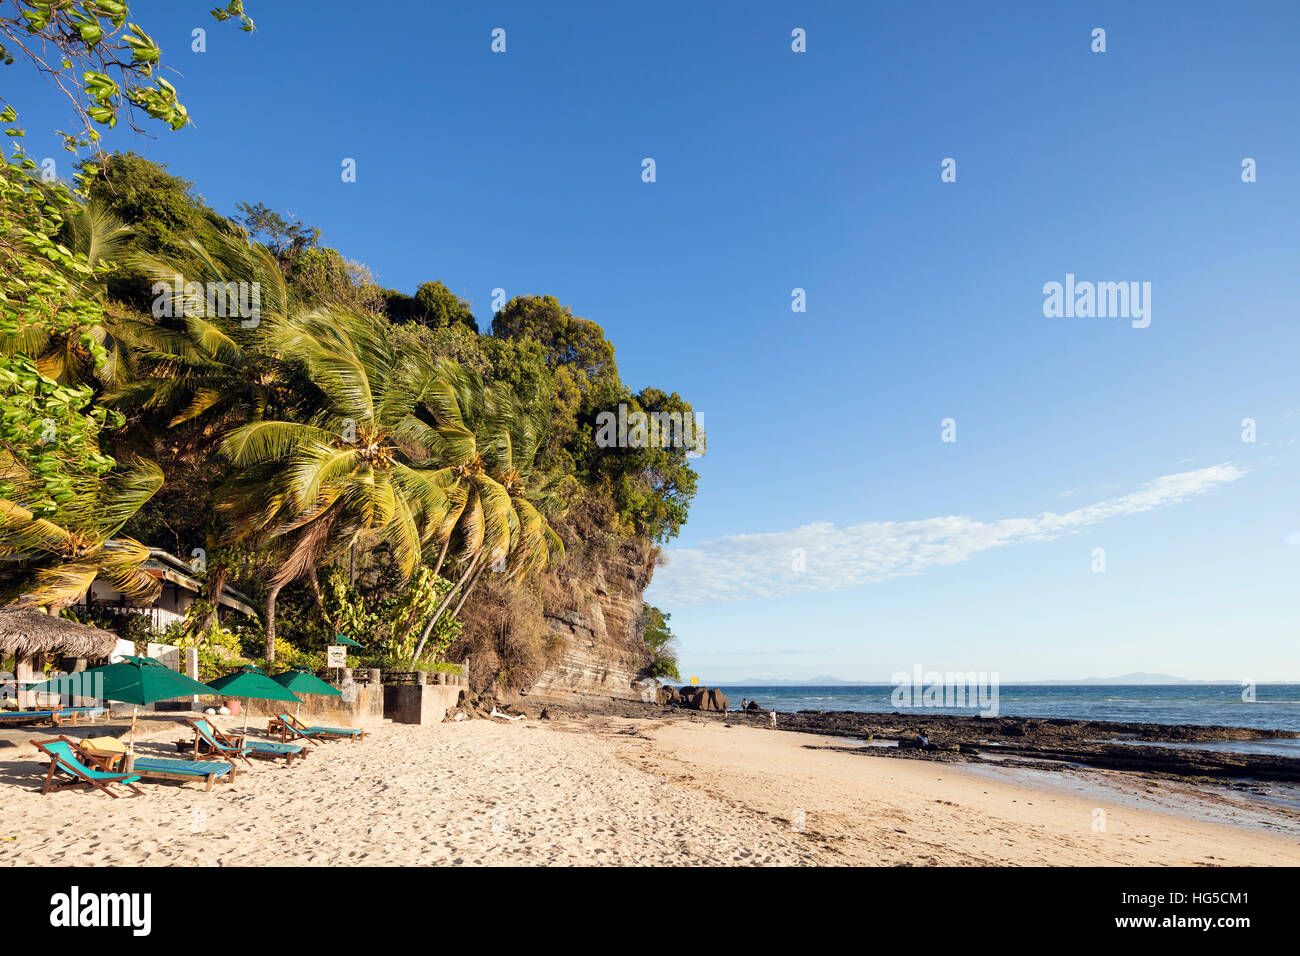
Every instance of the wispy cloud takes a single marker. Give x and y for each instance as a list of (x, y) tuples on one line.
[(767, 565)]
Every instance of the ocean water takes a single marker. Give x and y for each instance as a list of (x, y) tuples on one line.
[(1276, 706)]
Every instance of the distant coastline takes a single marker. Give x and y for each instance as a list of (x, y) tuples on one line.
[(1124, 680), (1266, 706)]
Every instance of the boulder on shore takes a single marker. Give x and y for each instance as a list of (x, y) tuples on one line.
[(668, 696), (702, 698)]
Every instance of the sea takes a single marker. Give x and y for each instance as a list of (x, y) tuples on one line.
[(1274, 707)]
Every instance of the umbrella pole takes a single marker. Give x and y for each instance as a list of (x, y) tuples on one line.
[(130, 747)]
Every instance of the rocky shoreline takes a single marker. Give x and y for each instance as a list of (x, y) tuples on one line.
[(1052, 741), (1045, 743)]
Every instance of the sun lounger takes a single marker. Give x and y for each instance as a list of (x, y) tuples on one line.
[(210, 738), (65, 715), (290, 726), (63, 756), (210, 743), (160, 768)]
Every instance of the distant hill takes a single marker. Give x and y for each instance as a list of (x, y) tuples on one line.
[(1139, 677)]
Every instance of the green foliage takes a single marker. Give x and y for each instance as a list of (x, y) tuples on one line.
[(321, 276), (220, 648), (163, 213), (406, 664), (651, 487), (105, 65), (662, 643), (433, 306), (136, 628), (49, 433), (443, 308), (285, 237), (388, 620)]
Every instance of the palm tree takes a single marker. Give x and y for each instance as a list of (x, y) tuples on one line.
[(490, 512), (210, 366), (338, 477), (52, 561), (213, 370)]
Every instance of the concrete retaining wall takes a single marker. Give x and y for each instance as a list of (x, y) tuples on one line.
[(365, 710), (419, 703)]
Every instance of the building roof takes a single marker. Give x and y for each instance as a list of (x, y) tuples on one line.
[(165, 566), (27, 631)]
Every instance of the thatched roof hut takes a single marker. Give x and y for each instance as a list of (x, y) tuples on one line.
[(25, 631)]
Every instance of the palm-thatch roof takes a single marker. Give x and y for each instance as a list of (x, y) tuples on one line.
[(26, 631)]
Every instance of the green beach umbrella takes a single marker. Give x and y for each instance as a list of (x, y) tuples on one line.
[(304, 682), (341, 639), (251, 683), (132, 680)]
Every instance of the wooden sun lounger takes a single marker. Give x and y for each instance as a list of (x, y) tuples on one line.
[(66, 715), (160, 768), (210, 741), (63, 756), (289, 726)]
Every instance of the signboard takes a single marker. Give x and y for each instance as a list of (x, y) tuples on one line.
[(695, 682), (336, 655)]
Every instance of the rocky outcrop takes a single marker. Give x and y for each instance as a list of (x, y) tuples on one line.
[(703, 698), (592, 608)]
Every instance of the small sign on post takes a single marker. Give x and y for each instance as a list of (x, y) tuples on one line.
[(336, 655)]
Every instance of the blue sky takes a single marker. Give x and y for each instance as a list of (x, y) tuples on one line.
[(820, 170)]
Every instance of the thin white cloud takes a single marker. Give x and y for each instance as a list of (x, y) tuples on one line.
[(746, 566)]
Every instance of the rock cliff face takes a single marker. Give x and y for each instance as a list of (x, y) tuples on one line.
[(593, 612)]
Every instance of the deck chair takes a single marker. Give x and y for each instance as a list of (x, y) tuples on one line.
[(27, 716), (63, 756), (217, 741), (210, 743), (292, 726)]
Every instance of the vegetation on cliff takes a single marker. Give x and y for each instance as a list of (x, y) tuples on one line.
[(355, 459)]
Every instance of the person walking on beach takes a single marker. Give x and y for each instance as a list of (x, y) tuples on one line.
[(773, 720)]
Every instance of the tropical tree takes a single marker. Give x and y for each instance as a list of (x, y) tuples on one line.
[(338, 477), (52, 561), (207, 359), (484, 474)]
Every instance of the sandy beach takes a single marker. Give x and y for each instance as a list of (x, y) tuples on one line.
[(621, 791)]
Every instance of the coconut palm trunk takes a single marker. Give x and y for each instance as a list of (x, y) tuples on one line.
[(428, 628), (216, 584), (271, 597), (470, 587), (442, 556)]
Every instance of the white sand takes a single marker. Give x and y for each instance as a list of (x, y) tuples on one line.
[(601, 792)]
